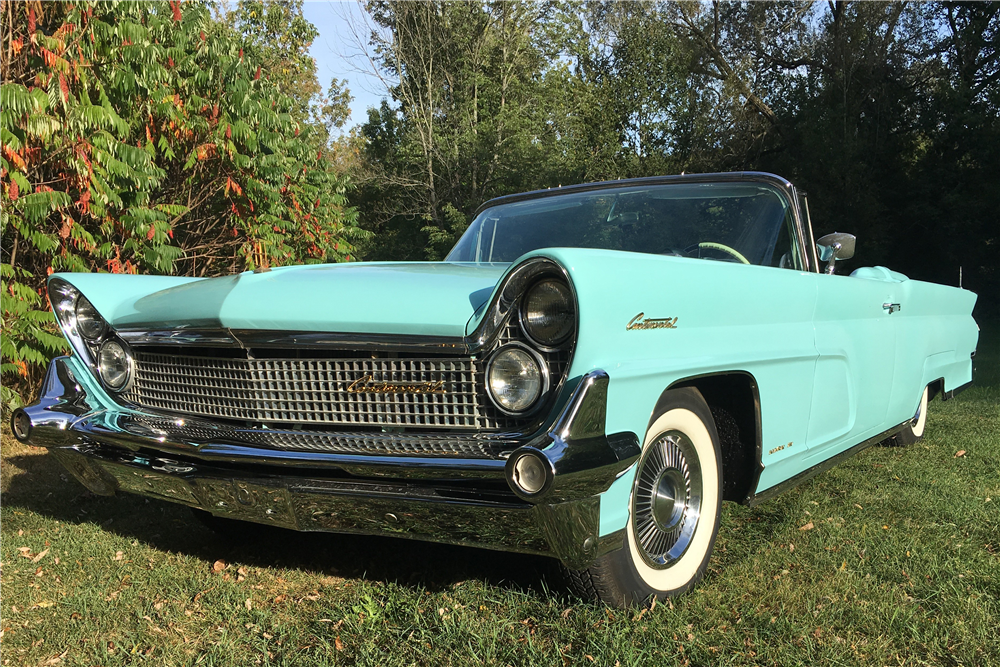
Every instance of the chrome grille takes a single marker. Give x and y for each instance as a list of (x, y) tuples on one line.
[(391, 444), (311, 391)]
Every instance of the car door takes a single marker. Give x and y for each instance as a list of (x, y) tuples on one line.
[(856, 344)]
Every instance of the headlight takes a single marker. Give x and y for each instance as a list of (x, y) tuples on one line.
[(89, 322), (115, 365), (547, 313), (515, 379)]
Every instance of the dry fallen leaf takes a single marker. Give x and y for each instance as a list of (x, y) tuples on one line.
[(339, 644), (808, 526), (75, 616), (960, 452), (40, 556), (219, 565), (791, 548), (119, 555), (46, 603), (566, 612), (249, 604)]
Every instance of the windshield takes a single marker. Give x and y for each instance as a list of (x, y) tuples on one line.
[(737, 222)]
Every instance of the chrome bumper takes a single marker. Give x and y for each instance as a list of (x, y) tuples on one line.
[(282, 478)]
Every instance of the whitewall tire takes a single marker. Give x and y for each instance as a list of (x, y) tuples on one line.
[(673, 510), (914, 429)]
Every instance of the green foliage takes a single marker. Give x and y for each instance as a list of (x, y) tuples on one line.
[(148, 137), (886, 113)]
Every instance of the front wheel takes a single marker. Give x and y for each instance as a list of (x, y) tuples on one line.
[(674, 510)]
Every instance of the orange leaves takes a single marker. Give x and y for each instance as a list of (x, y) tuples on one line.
[(67, 227), (63, 87), (15, 158), (205, 151), (83, 203), (234, 186), (16, 45)]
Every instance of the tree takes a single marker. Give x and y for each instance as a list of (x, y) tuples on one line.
[(144, 137)]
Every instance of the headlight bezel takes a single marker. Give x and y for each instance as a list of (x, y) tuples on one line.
[(102, 332), (543, 371), (129, 365), (63, 298), (556, 344)]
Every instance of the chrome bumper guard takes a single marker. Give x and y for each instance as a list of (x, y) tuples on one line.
[(298, 480)]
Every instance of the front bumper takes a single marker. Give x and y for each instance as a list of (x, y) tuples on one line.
[(341, 482)]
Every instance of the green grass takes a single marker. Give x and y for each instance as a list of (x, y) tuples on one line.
[(901, 567)]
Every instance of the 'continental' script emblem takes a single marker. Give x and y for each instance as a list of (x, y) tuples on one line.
[(663, 323), (367, 385)]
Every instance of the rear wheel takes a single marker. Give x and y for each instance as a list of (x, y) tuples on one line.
[(674, 510), (914, 429)]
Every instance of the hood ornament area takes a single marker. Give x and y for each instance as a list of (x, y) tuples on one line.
[(650, 323), (366, 384)]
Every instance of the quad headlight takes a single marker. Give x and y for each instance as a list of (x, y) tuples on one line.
[(114, 363), (90, 335), (89, 322), (516, 378), (547, 313)]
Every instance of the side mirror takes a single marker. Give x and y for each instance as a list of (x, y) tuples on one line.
[(833, 247)]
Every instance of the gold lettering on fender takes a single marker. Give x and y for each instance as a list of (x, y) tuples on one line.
[(367, 385), (662, 323), (778, 449)]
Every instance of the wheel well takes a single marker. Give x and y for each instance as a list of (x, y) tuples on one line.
[(735, 405), (934, 388)]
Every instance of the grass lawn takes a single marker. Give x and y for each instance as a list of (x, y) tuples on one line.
[(892, 558)]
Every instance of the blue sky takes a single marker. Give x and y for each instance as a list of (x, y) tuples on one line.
[(338, 55)]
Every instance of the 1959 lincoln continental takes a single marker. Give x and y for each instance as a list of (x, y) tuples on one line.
[(589, 374)]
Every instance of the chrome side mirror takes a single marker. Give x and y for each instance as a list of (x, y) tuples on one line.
[(835, 246)]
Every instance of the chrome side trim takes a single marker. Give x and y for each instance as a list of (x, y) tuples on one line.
[(760, 496)]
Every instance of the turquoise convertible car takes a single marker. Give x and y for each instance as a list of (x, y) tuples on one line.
[(589, 374)]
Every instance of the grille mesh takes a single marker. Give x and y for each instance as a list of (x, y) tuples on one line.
[(393, 444), (313, 391)]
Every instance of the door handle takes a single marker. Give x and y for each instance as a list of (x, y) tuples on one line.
[(891, 307)]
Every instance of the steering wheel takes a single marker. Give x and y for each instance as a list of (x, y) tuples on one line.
[(720, 247)]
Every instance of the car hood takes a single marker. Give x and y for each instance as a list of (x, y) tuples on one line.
[(410, 298)]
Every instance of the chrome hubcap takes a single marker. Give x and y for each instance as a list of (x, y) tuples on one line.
[(667, 499)]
